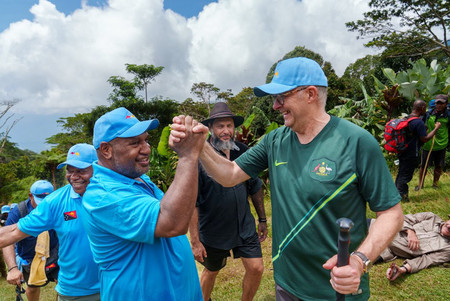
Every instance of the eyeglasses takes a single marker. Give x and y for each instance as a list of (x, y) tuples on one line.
[(280, 97)]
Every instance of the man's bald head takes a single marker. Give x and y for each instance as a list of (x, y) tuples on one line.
[(419, 105)]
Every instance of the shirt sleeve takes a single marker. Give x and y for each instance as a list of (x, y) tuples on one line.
[(375, 180), (255, 159), (38, 220), (427, 260)]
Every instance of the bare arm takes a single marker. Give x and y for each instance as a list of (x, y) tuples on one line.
[(197, 247), (430, 134), (8, 236), (346, 279), (258, 203), (178, 203), (224, 171), (11, 234)]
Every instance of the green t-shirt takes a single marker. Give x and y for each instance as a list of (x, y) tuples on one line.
[(441, 136), (312, 185)]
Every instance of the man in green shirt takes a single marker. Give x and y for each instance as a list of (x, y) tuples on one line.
[(321, 168), (434, 150)]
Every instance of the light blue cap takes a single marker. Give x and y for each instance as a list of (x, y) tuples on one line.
[(292, 73), (40, 189), (13, 205), (80, 156), (5, 209), (120, 123)]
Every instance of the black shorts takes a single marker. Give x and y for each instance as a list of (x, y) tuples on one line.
[(51, 276), (437, 158), (217, 258)]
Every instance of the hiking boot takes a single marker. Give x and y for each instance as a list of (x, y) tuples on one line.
[(405, 198)]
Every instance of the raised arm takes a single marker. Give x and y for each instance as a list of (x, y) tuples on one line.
[(225, 172), (178, 203)]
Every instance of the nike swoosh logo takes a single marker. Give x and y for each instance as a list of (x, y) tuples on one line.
[(279, 163)]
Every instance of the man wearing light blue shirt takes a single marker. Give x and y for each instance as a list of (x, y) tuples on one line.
[(137, 232), (61, 211)]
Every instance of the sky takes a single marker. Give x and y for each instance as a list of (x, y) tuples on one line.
[(56, 55)]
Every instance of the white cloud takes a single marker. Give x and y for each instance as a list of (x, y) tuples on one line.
[(60, 63)]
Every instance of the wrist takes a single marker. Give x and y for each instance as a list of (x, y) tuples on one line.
[(262, 220), (14, 267)]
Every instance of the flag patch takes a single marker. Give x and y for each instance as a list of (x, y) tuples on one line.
[(70, 215)]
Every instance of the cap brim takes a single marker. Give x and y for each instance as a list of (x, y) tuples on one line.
[(75, 163), (271, 89), (37, 199), (140, 128)]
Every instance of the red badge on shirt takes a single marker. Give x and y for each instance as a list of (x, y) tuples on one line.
[(70, 215)]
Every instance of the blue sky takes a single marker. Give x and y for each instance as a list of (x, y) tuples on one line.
[(16, 10), (56, 55)]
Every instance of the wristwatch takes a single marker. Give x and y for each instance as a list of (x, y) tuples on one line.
[(367, 264)]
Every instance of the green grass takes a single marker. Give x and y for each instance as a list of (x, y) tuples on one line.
[(429, 284)]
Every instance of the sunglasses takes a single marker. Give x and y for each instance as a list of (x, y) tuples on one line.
[(280, 97)]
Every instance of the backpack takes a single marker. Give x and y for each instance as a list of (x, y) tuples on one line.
[(52, 262), (395, 134)]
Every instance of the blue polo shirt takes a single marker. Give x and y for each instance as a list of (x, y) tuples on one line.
[(25, 247), (120, 219), (61, 211)]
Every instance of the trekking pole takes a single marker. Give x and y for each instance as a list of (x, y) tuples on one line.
[(19, 291), (345, 226), (422, 176)]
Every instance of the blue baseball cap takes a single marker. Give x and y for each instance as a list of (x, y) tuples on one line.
[(40, 189), (120, 123), (13, 205), (292, 73), (6, 209), (80, 156)]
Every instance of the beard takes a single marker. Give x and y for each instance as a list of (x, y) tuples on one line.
[(222, 145)]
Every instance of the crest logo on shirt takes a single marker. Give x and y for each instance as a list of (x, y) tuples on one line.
[(70, 215), (323, 169)]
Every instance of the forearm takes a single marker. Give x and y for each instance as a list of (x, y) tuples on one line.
[(193, 227), (9, 254), (178, 203), (382, 232), (427, 260), (258, 203), (224, 171)]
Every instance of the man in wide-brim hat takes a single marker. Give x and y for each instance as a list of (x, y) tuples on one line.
[(222, 220)]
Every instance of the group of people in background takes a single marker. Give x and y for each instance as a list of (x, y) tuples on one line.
[(427, 139), (121, 238)]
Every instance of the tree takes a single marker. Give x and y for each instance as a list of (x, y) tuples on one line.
[(411, 28), (144, 74), (124, 89), (209, 94), (6, 120)]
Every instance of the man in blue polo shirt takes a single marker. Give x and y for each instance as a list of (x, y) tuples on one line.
[(61, 211), (26, 245), (137, 232)]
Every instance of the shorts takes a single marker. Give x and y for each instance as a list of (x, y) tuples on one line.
[(217, 258), (94, 297), (437, 158), (51, 276)]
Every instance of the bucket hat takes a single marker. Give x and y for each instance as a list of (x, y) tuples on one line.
[(221, 110)]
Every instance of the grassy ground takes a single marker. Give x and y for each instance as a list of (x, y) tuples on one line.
[(429, 284)]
